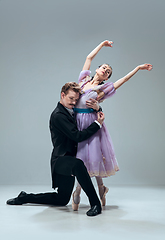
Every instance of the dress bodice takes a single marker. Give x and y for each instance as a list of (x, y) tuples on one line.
[(86, 96), (107, 88)]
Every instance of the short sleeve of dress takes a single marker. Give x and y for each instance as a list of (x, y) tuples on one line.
[(108, 89), (83, 75)]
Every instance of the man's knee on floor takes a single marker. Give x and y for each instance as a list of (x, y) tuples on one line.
[(64, 201)]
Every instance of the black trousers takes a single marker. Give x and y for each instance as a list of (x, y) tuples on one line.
[(67, 168)]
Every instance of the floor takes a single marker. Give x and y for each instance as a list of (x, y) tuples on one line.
[(131, 213)]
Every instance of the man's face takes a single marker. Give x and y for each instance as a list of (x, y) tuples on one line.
[(70, 99)]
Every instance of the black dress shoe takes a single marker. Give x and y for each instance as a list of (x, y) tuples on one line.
[(95, 210), (18, 200)]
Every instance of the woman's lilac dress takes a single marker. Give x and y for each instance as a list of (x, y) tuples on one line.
[(97, 152)]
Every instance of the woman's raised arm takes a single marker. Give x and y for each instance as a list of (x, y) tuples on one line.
[(94, 52), (121, 81)]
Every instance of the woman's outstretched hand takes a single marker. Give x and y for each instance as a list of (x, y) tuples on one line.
[(146, 66), (107, 43), (94, 52)]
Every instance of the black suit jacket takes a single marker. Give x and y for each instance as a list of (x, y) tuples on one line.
[(65, 135)]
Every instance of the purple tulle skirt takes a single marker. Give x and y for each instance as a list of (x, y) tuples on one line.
[(97, 152)]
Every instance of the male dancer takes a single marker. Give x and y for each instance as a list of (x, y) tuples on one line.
[(64, 165)]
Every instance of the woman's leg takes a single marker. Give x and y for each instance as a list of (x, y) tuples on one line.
[(76, 194), (76, 197), (102, 190)]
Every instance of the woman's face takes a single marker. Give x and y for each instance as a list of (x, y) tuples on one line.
[(103, 72)]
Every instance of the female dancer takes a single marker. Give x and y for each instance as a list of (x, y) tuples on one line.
[(97, 152)]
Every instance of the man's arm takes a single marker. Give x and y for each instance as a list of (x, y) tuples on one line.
[(69, 128)]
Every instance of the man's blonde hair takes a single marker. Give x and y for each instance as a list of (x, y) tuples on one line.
[(71, 86)]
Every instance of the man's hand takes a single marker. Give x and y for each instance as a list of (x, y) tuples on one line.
[(92, 103), (100, 117)]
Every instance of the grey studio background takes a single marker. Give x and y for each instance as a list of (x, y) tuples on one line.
[(43, 44)]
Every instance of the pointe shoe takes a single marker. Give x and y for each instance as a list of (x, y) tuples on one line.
[(74, 205), (103, 199)]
